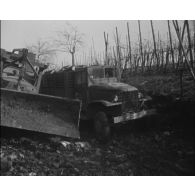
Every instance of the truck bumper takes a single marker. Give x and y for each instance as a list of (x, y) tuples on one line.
[(133, 115)]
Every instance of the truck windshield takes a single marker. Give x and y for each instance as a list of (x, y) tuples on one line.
[(96, 73), (109, 72)]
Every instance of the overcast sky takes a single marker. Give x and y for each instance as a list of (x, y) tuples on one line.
[(19, 34)]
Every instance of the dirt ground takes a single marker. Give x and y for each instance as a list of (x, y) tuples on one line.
[(161, 145), (132, 150)]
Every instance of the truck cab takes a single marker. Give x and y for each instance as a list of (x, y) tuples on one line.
[(104, 99)]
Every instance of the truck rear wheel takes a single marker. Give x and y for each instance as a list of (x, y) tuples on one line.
[(101, 126)]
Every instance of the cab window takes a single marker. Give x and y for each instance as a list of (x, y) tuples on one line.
[(80, 77), (109, 72)]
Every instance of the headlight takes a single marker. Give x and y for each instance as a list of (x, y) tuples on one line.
[(115, 98)]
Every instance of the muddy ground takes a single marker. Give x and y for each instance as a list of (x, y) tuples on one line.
[(160, 145), (134, 149)]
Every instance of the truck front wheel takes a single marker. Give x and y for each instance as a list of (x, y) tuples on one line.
[(101, 126)]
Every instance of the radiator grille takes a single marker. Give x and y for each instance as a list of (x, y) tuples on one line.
[(129, 101)]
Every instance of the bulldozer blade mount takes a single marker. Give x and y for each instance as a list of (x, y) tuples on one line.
[(40, 113)]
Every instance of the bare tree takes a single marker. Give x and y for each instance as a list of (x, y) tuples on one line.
[(42, 48), (69, 41)]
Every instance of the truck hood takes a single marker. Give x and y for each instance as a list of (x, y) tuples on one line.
[(115, 86)]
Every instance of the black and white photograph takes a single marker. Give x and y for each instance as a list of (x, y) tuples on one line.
[(98, 95)]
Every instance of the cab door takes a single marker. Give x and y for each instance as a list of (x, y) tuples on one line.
[(81, 85)]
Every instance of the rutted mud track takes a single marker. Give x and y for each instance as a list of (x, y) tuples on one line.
[(164, 147)]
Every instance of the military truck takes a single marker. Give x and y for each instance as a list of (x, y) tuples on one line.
[(105, 100), (54, 101)]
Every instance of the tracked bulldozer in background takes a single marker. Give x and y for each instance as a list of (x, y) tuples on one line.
[(23, 107)]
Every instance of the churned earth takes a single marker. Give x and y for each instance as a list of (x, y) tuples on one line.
[(132, 150)]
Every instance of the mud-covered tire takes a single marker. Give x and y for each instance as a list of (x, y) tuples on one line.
[(101, 126)]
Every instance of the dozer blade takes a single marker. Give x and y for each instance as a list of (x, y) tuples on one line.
[(41, 113)]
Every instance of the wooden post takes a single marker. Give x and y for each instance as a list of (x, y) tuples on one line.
[(94, 51), (91, 56), (140, 45), (154, 41), (147, 59), (151, 59), (184, 53), (162, 58), (129, 43), (180, 57), (194, 38), (106, 48), (189, 42), (166, 54), (115, 58), (159, 42), (167, 60), (181, 32), (118, 47), (119, 55), (181, 82), (171, 45)]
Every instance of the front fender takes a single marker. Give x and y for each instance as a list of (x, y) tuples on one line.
[(110, 108), (105, 103)]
